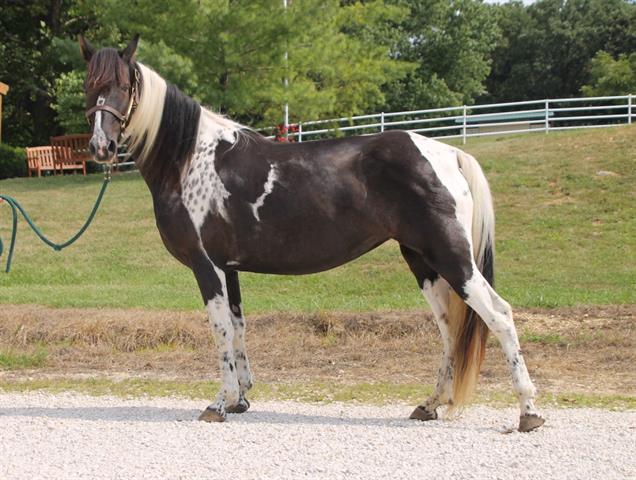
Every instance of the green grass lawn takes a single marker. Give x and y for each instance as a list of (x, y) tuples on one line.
[(565, 236)]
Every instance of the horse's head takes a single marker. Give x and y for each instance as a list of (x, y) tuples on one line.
[(112, 89)]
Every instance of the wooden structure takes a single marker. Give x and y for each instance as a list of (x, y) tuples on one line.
[(70, 152), (40, 159), (4, 88)]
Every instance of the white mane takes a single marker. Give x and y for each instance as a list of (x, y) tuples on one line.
[(146, 120), (221, 121)]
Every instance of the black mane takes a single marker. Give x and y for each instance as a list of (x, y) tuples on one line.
[(175, 141)]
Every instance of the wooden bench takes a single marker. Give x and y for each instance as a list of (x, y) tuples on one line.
[(40, 159), (70, 152)]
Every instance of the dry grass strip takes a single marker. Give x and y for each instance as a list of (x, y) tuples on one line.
[(587, 349)]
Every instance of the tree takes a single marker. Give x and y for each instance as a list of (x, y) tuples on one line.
[(228, 54), (34, 51), (451, 43), (546, 48), (25, 44), (234, 53), (610, 76)]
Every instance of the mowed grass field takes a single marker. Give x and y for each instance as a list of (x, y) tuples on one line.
[(566, 236)]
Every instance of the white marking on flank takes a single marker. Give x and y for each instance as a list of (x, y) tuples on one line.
[(443, 159), (460, 173), (272, 176)]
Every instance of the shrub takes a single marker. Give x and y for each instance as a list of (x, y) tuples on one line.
[(12, 161)]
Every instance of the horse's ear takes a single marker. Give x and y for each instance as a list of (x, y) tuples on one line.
[(128, 53), (86, 48)]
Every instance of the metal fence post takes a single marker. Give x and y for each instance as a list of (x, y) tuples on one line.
[(382, 121), (547, 116), (629, 109), (300, 132), (464, 125)]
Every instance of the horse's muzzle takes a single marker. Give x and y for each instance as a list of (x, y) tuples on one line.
[(102, 149)]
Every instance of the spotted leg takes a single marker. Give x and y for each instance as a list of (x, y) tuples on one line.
[(436, 290), (497, 314), (436, 293), (213, 288), (240, 353)]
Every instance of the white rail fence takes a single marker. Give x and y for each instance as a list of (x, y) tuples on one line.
[(479, 120), (475, 120)]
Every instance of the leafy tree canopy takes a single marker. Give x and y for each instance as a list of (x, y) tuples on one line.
[(546, 48), (451, 42), (231, 55), (344, 57), (611, 76), (228, 54)]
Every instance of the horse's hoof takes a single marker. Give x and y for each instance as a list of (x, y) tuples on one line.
[(527, 423), (211, 415), (420, 413), (242, 406)]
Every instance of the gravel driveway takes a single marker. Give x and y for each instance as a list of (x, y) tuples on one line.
[(71, 436)]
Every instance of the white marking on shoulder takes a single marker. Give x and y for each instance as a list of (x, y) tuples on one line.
[(202, 190), (268, 187)]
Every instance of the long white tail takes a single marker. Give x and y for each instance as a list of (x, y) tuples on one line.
[(483, 213), (469, 331)]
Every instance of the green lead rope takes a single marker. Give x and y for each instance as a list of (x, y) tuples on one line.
[(16, 207)]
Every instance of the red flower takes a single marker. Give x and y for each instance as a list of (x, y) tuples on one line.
[(281, 132)]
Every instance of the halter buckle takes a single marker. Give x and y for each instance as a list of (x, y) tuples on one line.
[(107, 172), (134, 100)]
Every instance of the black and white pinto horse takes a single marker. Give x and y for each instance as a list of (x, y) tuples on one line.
[(228, 200)]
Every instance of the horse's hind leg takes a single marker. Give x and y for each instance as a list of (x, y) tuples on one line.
[(497, 314), (436, 291), (240, 354)]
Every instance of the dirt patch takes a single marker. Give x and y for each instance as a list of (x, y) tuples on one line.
[(586, 349)]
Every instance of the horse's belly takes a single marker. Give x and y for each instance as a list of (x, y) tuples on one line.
[(302, 252)]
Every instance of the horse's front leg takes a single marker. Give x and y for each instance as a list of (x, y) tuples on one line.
[(213, 288), (240, 353)]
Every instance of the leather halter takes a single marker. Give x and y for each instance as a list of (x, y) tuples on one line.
[(124, 118)]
